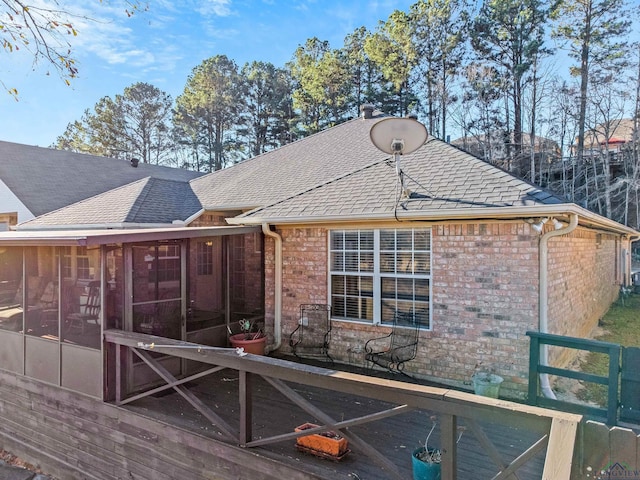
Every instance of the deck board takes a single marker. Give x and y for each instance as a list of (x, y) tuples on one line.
[(395, 437)]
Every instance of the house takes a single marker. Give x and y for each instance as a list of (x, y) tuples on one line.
[(35, 180), (610, 137), (477, 255), (127, 291), (500, 151)]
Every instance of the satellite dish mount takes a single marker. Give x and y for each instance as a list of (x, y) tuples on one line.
[(397, 137)]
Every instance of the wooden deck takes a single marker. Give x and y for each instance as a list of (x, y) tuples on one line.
[(395, 437)]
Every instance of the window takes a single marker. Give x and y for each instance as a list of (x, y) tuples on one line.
[(205, 258), (375, 273), (168, 267), (76, 264)]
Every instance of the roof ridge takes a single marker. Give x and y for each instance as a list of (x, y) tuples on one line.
[(86, 200), (317, 186), (326, 131), (138, 203)]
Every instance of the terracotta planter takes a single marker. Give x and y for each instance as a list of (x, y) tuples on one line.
[(251, 345), (325, 444)]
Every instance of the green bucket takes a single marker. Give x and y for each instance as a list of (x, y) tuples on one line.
[(487, 384)]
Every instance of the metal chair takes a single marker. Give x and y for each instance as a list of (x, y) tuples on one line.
[(399, 346), (311, 336)]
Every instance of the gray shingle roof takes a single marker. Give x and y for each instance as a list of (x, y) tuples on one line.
[(150, 201), (440, 177), (293, 168), (45, 179), (337, 172)]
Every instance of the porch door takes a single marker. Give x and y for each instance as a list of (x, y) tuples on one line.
[(158, 291)]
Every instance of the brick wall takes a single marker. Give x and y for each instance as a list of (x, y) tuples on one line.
[(304, 274), (485, 296), (583, 282)]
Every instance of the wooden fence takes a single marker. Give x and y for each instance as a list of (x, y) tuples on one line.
[(606, 453)]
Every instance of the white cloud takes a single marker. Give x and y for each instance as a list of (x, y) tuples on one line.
[(219, 8)]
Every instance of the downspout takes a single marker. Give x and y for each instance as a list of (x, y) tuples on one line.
[(277, 327), (543, 302), (628, 280)]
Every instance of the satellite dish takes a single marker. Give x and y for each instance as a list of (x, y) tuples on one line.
[(398, 136)]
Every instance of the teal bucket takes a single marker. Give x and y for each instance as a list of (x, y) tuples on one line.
[(423, 470)]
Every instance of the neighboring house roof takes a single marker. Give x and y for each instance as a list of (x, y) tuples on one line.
[(610, 133), (290, 169), (439, 177), (45, 179), (147, 201), (476, 144)]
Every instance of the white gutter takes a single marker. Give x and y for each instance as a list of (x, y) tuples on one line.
[(589, 219), (96, 226), (277, 320), (543, 302), (628, 281), (190, 219)]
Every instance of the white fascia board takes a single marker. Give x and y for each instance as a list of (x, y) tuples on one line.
[(586, 217)]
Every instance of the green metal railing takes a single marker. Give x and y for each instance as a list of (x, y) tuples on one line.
[(612, 381)]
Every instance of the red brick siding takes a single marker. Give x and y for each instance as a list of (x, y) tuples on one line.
[(583, 282), (304, 274), (485, 296)]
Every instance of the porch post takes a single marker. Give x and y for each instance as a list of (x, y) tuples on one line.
[(246, 408), (449, 446)]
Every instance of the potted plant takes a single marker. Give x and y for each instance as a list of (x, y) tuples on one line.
[(426, 460), (486, 383), (249, 340)]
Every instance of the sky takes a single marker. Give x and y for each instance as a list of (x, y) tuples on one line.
[(161, 46)]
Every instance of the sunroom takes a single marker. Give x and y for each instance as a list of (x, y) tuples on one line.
[(60, 290)]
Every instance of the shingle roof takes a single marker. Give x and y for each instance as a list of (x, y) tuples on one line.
[(438, 175), (146, 201), (337, 172), (45, 179), (293, 168)]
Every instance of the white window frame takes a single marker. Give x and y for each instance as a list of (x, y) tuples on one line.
[(377, 275)]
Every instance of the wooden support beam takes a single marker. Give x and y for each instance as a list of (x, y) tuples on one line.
[(487, 445), (520, 460), (187, 395), (119, 349), (246, 407), (562, 437), (448, 437), (161, 388), (335, 426)]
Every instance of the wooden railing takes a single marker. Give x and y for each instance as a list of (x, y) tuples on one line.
[(611, 381), (555, 432)]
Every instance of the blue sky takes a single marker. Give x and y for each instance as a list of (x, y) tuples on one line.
[(161, 46)]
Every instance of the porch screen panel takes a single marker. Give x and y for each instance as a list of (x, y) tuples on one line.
[(376, 273)]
